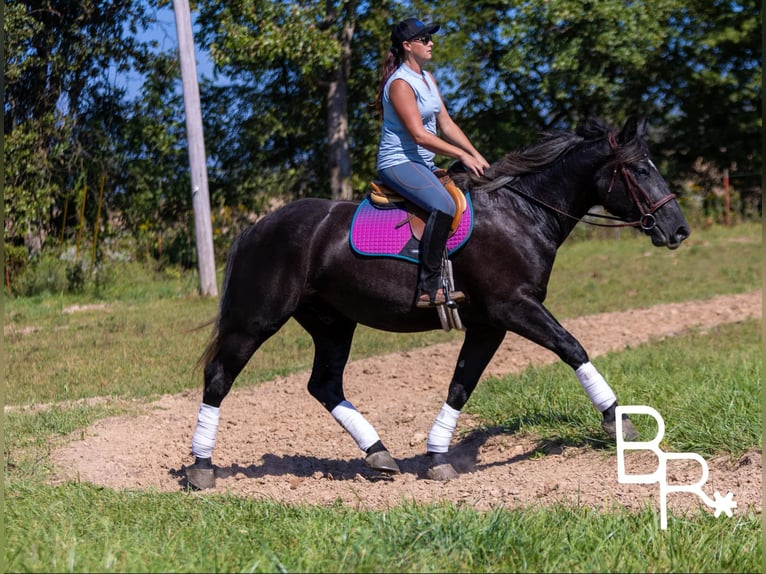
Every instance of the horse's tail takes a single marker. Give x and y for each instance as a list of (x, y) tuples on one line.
[(212, 346), (214, 341)]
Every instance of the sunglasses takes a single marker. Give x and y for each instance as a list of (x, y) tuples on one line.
[(423, 39)]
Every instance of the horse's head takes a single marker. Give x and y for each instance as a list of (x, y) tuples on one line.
[(631, 187)]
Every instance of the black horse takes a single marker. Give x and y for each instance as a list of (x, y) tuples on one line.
[(297, 262)]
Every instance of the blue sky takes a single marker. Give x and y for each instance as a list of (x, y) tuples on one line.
[(163, 31)]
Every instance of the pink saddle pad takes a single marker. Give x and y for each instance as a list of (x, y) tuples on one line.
[(381, 232)]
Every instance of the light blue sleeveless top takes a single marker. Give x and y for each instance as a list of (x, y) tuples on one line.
[(396, 144)]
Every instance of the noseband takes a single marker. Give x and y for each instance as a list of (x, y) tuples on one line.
[(647, 221)]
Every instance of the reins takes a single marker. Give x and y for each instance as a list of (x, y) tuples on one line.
[(646, 222)]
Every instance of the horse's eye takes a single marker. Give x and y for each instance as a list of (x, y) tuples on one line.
[(641, 170)]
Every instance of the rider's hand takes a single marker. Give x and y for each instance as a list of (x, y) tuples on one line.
[(475, 164)]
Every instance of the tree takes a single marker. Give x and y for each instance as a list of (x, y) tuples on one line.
[(70, 124), (297, 91), (58, 98), (291, 113), (709, 75), (693, 67)]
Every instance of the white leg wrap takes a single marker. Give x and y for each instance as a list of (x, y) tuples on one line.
[(441, 431), (355, 424), (599, 392), (203, 440)]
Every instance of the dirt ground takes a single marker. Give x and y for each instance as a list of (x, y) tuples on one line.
[(276, 442)]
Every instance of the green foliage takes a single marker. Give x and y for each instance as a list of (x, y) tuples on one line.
[(625, 271), (59, 273), (712, 100), (16, 259), (693, 67), (48, 274), (285, 61), (70, 132), (256, 33), (299, 78)]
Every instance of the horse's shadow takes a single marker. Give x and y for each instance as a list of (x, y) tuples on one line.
[(463, 455)]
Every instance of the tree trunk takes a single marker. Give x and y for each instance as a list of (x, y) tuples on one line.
[(337, 117)]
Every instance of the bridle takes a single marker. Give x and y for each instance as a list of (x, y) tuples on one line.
[(647, 221), (643, 202)]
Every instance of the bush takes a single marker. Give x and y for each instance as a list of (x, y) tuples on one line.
[(16, 259), (45, 274)]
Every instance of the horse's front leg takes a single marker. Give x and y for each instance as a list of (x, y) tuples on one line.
[(478, 349), (533, 321)]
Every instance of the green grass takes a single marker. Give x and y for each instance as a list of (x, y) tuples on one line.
[(84, 528), (617, 275), (706, 386)]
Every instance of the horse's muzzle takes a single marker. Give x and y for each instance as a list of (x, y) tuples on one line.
[(670, 240)]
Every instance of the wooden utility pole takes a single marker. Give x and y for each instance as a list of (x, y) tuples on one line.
[(200, 197)]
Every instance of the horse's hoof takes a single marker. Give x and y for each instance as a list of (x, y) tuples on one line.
[(629, 432), (442, 471), (383, 462), (200, 478)]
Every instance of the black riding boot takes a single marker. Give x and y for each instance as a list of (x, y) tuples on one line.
[(430, 254)]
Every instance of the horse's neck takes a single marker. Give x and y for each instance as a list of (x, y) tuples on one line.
[(565, 197)]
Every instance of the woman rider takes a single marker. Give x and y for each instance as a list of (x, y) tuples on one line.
[(413, 113)]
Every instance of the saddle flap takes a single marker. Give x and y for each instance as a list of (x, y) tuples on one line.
[(383, 196)]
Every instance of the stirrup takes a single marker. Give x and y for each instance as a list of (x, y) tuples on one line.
[(424, 299)]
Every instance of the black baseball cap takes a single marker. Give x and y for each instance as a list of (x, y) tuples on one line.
[(411, 28)]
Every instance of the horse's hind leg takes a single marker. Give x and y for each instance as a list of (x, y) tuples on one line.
[(332, 335), (233, 353)]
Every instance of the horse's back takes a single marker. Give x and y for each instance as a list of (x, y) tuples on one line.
[(294, 227), (277, 252)]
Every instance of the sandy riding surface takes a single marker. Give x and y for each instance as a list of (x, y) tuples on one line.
[(276, 442)]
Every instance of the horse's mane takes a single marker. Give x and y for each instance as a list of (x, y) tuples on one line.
[(553, 145)]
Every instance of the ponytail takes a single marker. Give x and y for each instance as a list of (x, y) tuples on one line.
[(391, 62)]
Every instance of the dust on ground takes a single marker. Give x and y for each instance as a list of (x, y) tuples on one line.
[(276, 442)]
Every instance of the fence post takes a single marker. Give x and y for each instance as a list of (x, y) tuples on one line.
[(726, 198)]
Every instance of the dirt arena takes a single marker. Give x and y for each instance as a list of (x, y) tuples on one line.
[(276, 442)]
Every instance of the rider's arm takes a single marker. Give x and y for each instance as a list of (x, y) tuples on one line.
[(453, 134), (406, 107)]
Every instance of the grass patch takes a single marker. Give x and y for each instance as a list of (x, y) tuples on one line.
[(83, 528), (706, 386), (629, 273), (29, 437)]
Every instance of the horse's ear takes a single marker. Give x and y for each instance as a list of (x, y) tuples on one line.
[(633, 128), (628, 131), (641, 130)]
